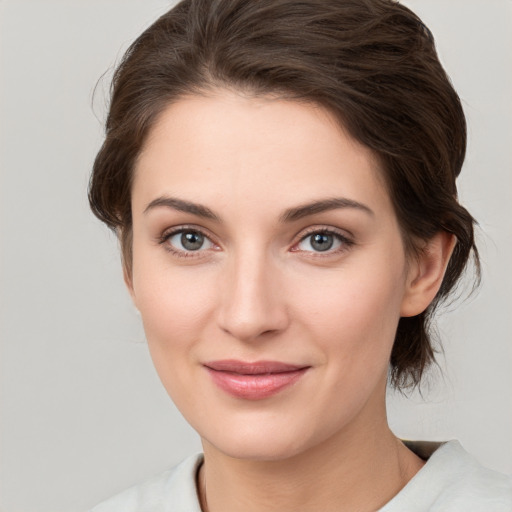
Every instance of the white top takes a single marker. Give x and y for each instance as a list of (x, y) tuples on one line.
[(450, 481)]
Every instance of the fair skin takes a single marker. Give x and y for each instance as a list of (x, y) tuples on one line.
[(229, 265)]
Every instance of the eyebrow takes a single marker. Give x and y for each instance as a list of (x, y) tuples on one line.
[(290, 215), (182, 206), (334, 203)]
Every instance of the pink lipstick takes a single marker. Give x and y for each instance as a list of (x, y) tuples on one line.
[(254, 381)]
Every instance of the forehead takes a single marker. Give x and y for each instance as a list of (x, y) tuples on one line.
[(229, 147)]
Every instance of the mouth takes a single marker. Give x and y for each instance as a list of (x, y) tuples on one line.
[(254, 381)]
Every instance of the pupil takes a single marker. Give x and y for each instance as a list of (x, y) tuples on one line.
[(192, 241), (322, 242)]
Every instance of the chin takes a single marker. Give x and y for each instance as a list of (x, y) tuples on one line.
[(261, 440)]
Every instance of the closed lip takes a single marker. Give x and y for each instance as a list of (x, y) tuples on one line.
[(253, 368), (254, 380)]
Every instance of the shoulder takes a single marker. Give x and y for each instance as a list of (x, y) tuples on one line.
[(452, 481), (471, 486), (173, 490)]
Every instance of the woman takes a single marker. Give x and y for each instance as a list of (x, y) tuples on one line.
[(281, 175)]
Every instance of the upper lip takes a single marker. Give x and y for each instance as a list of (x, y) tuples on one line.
[(254, 368)]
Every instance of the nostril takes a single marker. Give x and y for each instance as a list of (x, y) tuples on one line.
[(258, 329)]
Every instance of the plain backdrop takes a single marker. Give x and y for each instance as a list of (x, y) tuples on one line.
[(83, 414)]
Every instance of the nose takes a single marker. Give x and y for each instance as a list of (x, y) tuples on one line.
[(252, 304)]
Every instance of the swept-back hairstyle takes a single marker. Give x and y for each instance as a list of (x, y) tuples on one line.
[(371, 63)]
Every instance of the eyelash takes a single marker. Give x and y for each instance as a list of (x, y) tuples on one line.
[(346, 243), (167, 235)]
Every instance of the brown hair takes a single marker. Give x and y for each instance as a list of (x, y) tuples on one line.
[(372, 63)]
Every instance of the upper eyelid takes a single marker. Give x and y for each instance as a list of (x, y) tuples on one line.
[(167, 233), (342, 233)]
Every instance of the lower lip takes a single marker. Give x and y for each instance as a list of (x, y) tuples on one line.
[(255, 387)]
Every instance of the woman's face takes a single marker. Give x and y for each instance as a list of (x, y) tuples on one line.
[(269, 271)]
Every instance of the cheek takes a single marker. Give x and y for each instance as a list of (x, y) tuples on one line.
[(175, 307), (174, 303), (353, 312), (352, 321)]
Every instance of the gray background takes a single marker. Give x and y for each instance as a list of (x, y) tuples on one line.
[(82, 412)]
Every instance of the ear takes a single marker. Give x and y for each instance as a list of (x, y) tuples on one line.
[(426, 273)]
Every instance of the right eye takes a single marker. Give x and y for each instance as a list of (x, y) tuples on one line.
[(183, 242)]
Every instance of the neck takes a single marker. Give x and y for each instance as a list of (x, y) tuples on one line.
[(356, 469)]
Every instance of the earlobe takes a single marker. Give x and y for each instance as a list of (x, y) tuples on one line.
[(426, 273)]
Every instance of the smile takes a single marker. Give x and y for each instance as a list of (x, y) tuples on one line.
[(254, 381)]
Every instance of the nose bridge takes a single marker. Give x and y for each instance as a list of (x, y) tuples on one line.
[(251, 303)]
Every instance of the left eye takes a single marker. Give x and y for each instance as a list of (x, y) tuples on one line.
[(189, 241), (321, 241)]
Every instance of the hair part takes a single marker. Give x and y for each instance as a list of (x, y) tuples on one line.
[(371, 63)]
